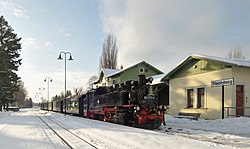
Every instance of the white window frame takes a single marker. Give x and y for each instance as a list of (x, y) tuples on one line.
[(195, 97)]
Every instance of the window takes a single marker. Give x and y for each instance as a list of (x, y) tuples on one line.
[(190, 98), (200, 97), (141, 70), (195, 97)]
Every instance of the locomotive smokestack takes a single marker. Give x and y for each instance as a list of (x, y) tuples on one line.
[(128, 84), (142, 80)]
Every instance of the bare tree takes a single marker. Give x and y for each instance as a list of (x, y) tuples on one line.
[(108, 58), (21, 94), (91, 80), (236, 53), (78, 91)]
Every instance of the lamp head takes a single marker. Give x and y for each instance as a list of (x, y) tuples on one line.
[(70, 58), (60, 57)]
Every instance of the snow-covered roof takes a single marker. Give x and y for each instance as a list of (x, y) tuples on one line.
[(108, 71), (121, 70), (228, 61), (236, 62), (157, 79)]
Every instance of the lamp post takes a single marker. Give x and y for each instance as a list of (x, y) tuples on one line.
[(48, 79), (60, 58), (37, 97), (42, 89)]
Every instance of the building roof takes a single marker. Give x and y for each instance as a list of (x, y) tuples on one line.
[(233, 62), (227, 61), (108, 71), (157, 79), (103, 73), (122, 70)]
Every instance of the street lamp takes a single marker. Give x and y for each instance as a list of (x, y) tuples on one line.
[(42, 89), (48, 79), (60, 58), (37, 97)]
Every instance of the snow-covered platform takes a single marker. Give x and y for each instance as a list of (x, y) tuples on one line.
[(24, 129)]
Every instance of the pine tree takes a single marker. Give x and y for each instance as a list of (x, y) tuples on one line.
[(10, 48)]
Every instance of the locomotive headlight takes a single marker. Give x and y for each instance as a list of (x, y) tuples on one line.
[(150, 80), (164, 108)]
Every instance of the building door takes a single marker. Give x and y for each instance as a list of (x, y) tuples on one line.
[(239, 100)]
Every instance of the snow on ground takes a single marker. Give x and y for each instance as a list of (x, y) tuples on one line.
[(24, 129), (236, 126), (231, 131)]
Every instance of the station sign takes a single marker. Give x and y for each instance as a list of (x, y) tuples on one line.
[(224, 82)]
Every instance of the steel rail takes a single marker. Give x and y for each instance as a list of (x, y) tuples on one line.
[(64, 140)]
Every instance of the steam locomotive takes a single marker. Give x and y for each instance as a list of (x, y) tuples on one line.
[(133, 103)]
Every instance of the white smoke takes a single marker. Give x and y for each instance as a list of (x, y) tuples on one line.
[(163, 32)]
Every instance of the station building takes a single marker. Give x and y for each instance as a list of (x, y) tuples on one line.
[(195, 86)]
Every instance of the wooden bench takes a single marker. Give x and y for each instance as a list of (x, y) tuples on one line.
[(193, 116), (14, 109)]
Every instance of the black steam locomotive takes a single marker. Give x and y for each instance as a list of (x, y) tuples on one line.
[(133, 103)]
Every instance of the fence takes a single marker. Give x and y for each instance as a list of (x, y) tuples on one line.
[(231, 111)]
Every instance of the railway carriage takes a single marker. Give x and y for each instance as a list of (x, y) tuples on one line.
[(50, 106), (74, 105), (57, 106)]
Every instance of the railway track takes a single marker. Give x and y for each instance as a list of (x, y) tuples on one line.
[(72, 140)]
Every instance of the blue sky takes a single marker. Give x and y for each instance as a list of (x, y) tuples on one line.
[(161, 32), (49, 27)]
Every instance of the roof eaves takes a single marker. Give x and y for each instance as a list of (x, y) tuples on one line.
[(232, 62), (124, 69), (167, 76), (153, 67)]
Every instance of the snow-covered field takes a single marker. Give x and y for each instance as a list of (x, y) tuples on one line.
[(24, 129)]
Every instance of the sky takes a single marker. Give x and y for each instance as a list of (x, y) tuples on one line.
[(160, 32)]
